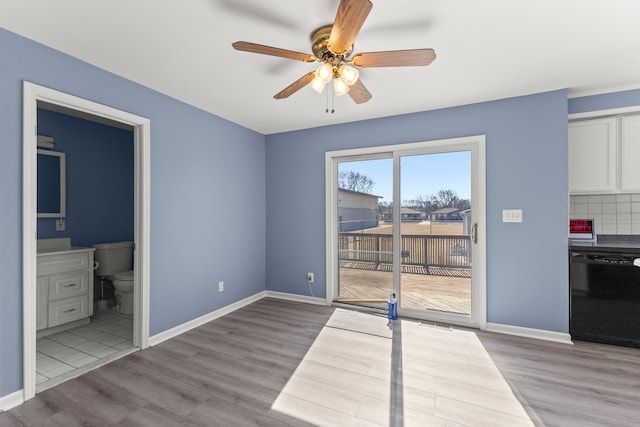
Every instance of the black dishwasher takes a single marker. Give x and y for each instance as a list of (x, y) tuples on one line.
[(605, 296)]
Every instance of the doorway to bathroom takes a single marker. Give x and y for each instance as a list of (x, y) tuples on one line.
[(53, 354)]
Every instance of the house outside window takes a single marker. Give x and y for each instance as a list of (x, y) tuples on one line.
[(356, 210)]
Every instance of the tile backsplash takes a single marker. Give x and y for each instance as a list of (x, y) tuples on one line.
[(612, 213)]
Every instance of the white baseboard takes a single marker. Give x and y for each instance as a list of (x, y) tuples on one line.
[(539, 334), (296, 297), (11, 400), (185, 327)]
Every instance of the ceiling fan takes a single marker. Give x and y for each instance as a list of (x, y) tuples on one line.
[(332, 45)]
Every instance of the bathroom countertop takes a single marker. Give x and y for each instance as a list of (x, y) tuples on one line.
[(51, 251)]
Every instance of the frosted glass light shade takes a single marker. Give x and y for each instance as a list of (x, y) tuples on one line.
[(348, 74), (340, 86), (318, 84), (324, 72)]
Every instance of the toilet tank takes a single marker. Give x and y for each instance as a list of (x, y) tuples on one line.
[(113, 257)]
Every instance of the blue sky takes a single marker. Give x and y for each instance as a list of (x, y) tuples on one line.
[(422, 175)]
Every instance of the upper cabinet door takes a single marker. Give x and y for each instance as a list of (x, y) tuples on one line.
[(592, 156), (630, 154)]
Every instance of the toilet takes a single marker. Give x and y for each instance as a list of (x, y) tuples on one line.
[(114, 262)]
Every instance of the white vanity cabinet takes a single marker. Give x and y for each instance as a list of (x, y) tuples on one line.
[(64, 287)]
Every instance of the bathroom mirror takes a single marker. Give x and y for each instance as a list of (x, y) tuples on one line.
[(51, 184)]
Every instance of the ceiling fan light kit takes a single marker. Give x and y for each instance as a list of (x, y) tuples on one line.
[(348, 74), (318, 84), (340, 87), (332, 45), (324, 72), (343, 76)]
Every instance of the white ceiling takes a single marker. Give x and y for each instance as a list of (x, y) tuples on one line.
[(486, 49)]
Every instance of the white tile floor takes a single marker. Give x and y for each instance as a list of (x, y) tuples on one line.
[(67, 354)]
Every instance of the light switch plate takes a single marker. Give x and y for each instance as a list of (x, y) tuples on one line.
[(512, 215)]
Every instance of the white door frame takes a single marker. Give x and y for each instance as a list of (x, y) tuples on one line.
[(32, 94), (475, 144)]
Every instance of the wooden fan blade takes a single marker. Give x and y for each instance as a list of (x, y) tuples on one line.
[(295, 86), (349, 19), (359, 93), (395, 58), (273, 51)]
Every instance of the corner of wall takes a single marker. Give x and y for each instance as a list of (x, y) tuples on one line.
[(11, 400)]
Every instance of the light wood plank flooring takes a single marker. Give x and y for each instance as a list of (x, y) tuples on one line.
[(279, 363)]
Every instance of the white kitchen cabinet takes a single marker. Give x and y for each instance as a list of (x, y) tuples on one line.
[(604, 155), (64, 287), (630, 154), (593, 151)]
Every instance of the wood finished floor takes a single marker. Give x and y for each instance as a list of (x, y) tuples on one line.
[(280, 363)]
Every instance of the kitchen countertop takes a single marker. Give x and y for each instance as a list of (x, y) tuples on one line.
[(609, 243)]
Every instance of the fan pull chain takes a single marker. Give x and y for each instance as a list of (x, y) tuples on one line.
[(333, 101), (327, 102)]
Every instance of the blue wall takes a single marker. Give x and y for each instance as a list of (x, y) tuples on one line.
[(527, 272), (207, 195), (100, 179), (583, 104)]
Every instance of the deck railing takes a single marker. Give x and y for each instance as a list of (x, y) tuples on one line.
[(424, 250)]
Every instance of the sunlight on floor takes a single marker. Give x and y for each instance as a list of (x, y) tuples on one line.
[(363, 371)]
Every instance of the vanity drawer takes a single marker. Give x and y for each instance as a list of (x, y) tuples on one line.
[(66, 285), (68, 310), (58, 263)]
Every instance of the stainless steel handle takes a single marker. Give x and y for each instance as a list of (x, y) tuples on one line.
[(69, 311), (474, 233)]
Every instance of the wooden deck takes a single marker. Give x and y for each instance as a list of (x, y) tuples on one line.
[(443, 289)]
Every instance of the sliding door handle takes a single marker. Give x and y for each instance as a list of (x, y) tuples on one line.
[(474, 233)]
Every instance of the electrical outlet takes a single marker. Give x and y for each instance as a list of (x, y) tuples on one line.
[(60, 224), (310, 277), (220, 286)]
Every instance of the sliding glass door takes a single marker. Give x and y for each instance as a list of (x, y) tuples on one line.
[(401, 221), (365, 230), (435, 231)]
